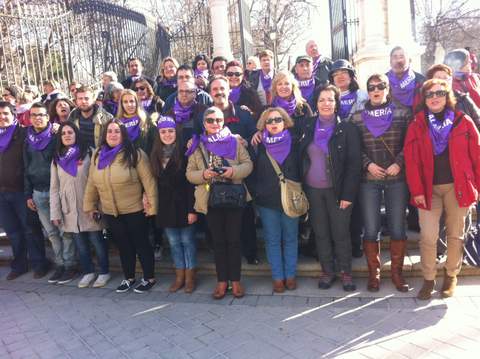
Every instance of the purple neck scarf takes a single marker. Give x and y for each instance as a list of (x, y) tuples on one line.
[(288, 105), (315, 63), (69, 160), (132, 124), (278, 146), (107, 155), (146, 103), (39, 140), (440, 130), (6, 135), (378, 120), (182, 114), (266, 80), (235, 93), (324, 129), (202, 73), (346, 103), (222, 144), (113, 104), (172, 83), (403, 90), (307, 87)]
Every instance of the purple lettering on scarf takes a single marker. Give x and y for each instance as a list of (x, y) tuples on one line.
[(202, 73), (6, 135), (166, 122), (107, 155), (288, 105), (403, 89), (39, 140), (182, 114), (440, 130), (278, 145), (69, 161), (266, 80), (222, 144), (379, 120), (307, 87), (235, 93), (170, 83), (347, 101), (324, 129), (146, 103), (132, 125)]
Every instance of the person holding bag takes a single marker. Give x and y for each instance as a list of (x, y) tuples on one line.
[(217, 165)]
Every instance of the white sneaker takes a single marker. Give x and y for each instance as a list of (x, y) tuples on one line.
[(101, 280), (86, 280)]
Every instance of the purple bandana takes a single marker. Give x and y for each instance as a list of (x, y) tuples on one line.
[(266, 80), (166, 122), (172, 83), (288, 105), (6, 135), (459, 75), (235, 93), (403, 90), (69, 161), (132, 124), (324, 129), (202, 73), (379, 120), (346, 103), (440, 130), (39, 140), (182, 114), (278, 146), (107, 155), (113, 104), (307, 87), (222, 144)]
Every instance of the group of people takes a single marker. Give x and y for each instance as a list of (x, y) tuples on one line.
[(206, 148)]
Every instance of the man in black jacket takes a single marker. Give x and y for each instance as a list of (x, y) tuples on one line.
[(321, 64), (261, 80), (135, 71)]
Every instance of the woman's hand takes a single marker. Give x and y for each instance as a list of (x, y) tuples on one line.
[(228, 172), (56, 222), (256, 138), (146, 204), (393, 170), (192, 218), (209, 174), (345, 204), (189, 143), (420, 200), (376, 171)]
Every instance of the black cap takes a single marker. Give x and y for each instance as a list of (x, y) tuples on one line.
[(303, 58)]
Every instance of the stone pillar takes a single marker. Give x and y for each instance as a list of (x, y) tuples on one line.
[(220, 29)]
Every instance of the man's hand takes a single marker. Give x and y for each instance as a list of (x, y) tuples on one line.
[(31, 205)]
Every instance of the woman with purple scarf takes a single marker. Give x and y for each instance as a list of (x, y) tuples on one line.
[(279, 230), (167, 80), (149, 102), (68, 179), (383, 126), (218, 156), (201, 70), (442, 158), (330, 168)]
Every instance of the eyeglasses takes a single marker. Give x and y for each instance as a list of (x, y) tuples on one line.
[(211, 120), (236, 74), (439, 93), (141, 88), (37, 114), (269, 121), (381, 86), (186, 92)]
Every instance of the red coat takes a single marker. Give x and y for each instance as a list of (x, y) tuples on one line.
[(470, 85), (464, 152)]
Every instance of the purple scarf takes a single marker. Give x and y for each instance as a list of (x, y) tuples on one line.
[(222, 144), (172, 83), (288, 105), (346, 103), (182, 114), (379, 120), (132, 124), (6, 135), (114, 106), (69, 160), (266, 80), (403, 90), (202, 73), (316, 62), (235, 93), (440, 130), (307, 87), (39, 140), (166, 122), (107, 155), (324, 129), (146, 103), (278, 146)]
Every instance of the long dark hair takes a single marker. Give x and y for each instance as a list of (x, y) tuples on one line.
[(177, 159), (130, 154), (198, 58), (60, 148)]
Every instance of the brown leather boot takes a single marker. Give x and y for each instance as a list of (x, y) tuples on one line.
[(179, 280), (189, 280), (426, 291), (397, 255), (449, 285), (278, 286), (237, 289), (372, 254)]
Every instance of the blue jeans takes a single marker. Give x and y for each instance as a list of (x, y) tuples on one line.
[(24, 242), (396, 200), (182, 246), (83, 241), (62, 244), (280, 230)]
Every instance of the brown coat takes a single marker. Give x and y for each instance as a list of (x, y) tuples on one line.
[(242, 167), (119, 189)]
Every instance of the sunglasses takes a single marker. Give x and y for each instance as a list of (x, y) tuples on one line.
[(439, 93), (269, 121), (381, 86), (140, 88), (236, 74), (211, 120)]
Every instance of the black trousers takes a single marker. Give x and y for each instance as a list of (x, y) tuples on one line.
[(130, 232), (249, 232), (225, 226), (356, 225)]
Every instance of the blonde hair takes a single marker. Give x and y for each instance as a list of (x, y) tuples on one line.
[(139, 111), (164, 61), (287, 75), (287, 120)]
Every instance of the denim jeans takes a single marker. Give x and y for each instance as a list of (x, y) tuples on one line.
[(83, 241), (396, 199), (24, 241), (182, 246), (280, 230), (62, 244)]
